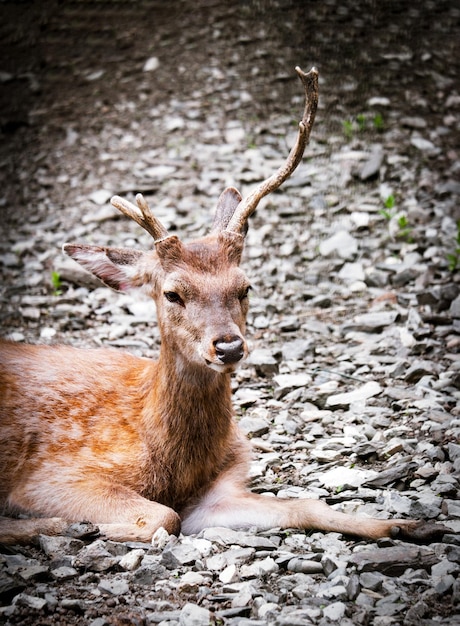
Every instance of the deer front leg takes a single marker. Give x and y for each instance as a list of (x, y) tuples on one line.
[(226, 505), (120, 513)]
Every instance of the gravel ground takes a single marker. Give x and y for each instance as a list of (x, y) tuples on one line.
[(351, 392)]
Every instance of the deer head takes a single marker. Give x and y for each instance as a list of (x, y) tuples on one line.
[(200, 292)]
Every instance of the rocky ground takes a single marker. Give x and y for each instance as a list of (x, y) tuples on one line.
[(351, 392)]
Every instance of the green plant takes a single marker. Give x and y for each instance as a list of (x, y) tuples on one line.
[(404, 228), (453, 258), (361, 121), (389, 213), (389, 205), (348, 128), (378, 122), (56, 282)]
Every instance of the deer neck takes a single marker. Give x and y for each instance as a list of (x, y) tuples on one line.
[(192, 399), (192, 427)]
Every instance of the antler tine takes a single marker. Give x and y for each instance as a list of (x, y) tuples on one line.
[(249, 204), (145, 218)]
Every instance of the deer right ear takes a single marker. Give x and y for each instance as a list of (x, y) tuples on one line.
[(228, 201), (116, 267)]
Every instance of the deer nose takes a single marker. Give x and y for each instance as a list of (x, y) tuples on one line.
[(229, 351)]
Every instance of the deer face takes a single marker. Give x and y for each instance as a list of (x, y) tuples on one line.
[(200, 292), (202, 300)]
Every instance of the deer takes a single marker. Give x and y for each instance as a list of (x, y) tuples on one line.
[(132, 445)]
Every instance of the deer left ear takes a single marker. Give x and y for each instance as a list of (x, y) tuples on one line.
[(118, 268), (228, 201)]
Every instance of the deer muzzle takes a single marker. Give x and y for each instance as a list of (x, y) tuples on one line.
[(229, 351)]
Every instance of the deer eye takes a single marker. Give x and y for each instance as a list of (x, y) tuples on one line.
[(172, 296), (244, 294)]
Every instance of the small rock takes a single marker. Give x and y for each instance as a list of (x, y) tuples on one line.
[(152, 64), (179, 555), (132, 560), (424, 145), (264, 361), (368, 390), (229, 574), (335, 611), (59, 546), (101, 196), (191, 581), (454, 309), (351, 272), (31, 602), (95, 557), (372, 166), (304, 566), (114, 587), (371, 322), (64, 573), (419, 369), (393, 561), (341, 243), (194, 615), (253, 425)]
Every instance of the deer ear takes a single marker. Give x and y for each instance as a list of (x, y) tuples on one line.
[(118, 268), (228, 201), (170, 252)]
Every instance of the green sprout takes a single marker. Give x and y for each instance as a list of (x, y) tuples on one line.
[(378, 122), (56, 283), (404, 228), (348, 128), (361, 121), (389, 205)]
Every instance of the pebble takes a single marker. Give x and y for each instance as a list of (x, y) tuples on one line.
[(194, 615), (342, 243), (362, 393)]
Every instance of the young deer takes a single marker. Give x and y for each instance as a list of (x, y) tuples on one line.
[(132, 445)]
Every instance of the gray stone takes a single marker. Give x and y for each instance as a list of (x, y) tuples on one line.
[(371, 322), (194, 615), (264, 361), (372, 166), (132, 560), (335, 611), (304, 566), (254, 423), (454, 309), (64, 573), (59, 546), (95, 557), (366, 391), (114, 587), (342, 243), (179, 555), (147, 575), (29, 601)]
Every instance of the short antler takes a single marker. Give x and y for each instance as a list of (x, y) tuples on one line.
[(249, 204), (145, 218)]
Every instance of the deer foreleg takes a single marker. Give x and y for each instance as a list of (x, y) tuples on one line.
[(120, 513)]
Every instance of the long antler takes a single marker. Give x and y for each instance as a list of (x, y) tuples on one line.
[(249, 204), (145, 218)]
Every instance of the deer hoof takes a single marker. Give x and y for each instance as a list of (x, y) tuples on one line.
[(419, 531)]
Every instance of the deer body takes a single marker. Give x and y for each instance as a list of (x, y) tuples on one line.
[(132, 445)]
